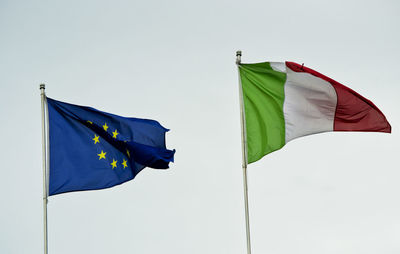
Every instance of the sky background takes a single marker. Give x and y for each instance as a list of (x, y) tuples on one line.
[(174, 61)]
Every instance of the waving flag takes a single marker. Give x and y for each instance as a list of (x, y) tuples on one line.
[(284, 101), (90, 149)]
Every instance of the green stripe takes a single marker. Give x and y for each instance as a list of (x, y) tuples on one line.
[(263, 96)]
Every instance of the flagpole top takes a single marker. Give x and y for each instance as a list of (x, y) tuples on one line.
[(42, 86), (238, 56)]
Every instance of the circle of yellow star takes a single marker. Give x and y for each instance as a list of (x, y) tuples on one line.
[(127, 152), (124, 163), (89, 122), (114, 164), (96, 139), (102, 155), (105, 127), (115, 133)]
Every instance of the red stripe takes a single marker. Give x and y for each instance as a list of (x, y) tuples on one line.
[(353, 111)]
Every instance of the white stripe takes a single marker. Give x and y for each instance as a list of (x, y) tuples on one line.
[(309, 106), (278, 66)]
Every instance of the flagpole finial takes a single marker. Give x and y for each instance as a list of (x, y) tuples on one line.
[(42, 87), (238, 56)]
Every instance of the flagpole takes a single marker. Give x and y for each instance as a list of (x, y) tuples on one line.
[(44, 163), (244, 154)]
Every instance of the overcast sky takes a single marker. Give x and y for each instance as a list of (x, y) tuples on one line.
[(173, 61)]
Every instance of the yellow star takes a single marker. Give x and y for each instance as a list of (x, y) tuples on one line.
[(96, 139), (105, 127), (114, 164), (102, 155), (124, 163), (89, 122), (127, 152), (115, 133)]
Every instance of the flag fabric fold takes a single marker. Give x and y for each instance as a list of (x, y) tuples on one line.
[(284, 101), (90, 149)]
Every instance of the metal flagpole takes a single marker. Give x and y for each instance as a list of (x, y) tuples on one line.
[(244, 154), (44, 155)]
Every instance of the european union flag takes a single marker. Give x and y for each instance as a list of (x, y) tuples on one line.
[(91, 150)]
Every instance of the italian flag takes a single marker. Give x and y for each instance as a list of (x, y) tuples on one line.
[(284, 101)]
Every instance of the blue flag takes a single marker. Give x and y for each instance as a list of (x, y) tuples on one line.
[(91, 150)]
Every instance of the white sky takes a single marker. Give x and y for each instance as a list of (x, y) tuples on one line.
[(173, 61)]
